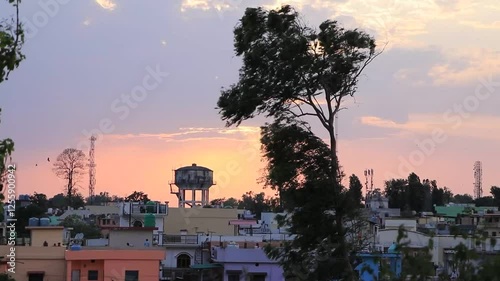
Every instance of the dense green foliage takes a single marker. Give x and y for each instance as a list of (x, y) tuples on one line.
[(11, 41), (89, 230), (6, 277), (412, 194), (256, 203)]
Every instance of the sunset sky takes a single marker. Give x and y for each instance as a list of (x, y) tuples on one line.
[(428, 104)]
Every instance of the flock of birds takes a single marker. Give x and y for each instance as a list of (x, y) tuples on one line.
[(48, 160)]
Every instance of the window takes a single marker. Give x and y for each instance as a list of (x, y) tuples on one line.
[(183, 261), (494, 233), (131, 275), (35, 276), (258, 277), (93, 275), (233, 275)]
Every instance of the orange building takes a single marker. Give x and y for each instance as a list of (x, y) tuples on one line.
[(114, 264), (124, 258)]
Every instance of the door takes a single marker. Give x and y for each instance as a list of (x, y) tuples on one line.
[(75, 275)]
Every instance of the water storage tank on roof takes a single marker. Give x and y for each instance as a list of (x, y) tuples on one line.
[(33, 222), (44, 222), (76, 247), (149, 220), (194, 177), (151, 207), (392, 249)]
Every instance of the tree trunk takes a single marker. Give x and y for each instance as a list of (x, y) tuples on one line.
[(70, 189), (339, 216)]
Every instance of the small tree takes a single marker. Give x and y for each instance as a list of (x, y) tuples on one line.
[(355, 190), (137, 196), (70, 166), (89, 230)]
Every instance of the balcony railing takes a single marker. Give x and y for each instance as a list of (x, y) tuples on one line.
[(158, 209), (180, 239), (19, 241)]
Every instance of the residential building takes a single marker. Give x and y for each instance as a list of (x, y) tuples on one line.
[(126, 255), (113, 264), (249, 263), (139, 214), (196, 220), (34, 263), (396, 223)]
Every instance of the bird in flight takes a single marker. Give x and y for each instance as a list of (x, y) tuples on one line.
[(48, 159)]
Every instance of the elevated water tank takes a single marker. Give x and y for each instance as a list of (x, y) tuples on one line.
[(44, 222), (33, 222), (149, 220), (151, 207), (194, 177)]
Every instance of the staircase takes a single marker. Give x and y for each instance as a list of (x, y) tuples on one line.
[(198, 256)]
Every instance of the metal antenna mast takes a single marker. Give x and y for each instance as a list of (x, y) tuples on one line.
[(478, 180), (370, 172), (92, 169)]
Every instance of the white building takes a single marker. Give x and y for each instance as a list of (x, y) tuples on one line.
[(137, 214)]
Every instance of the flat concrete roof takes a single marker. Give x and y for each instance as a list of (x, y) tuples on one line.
[(45, 227)]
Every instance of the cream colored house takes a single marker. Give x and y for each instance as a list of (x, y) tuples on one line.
[(49, 235), (195, 220), (35, 263)]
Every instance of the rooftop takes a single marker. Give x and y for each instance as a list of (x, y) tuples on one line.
[(455, 210), (131, 228), (194, 167), (45, 227)]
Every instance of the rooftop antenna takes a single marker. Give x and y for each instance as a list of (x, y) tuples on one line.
[(369, 188), (366, 180), (371, 179), (92, 169)]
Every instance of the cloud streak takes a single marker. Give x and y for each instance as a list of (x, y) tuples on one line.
[(479, 126), (465, 66), (106, 4), (241, 133), (398, 22)]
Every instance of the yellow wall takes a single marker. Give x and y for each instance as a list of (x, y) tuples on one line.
[(120, 238), (48, 259), (200, 220), (50, 234)]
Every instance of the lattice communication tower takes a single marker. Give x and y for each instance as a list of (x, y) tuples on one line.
[(92, 168), (478, 179)]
